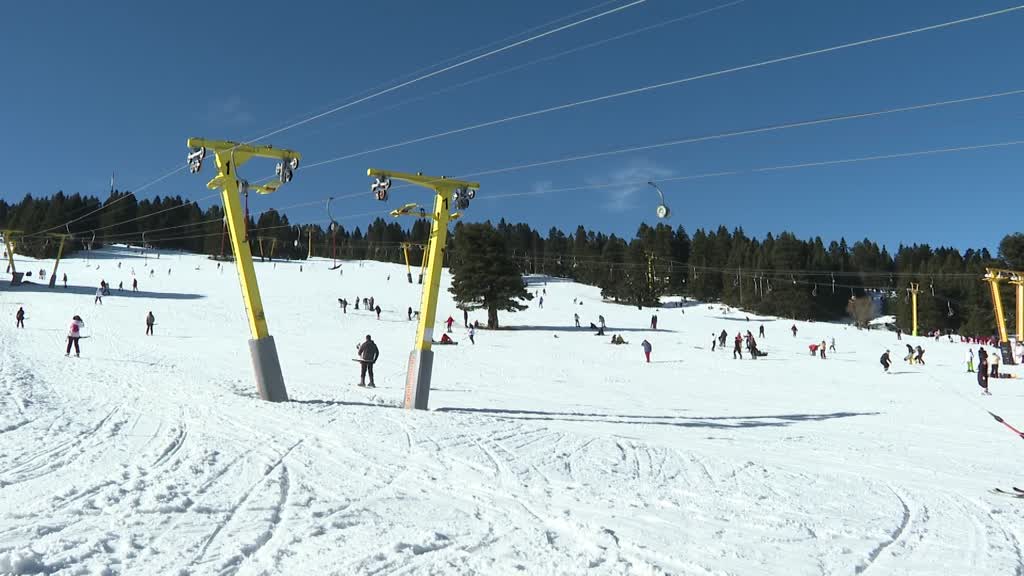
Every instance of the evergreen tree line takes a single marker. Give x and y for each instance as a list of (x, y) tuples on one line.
[(779, 275)]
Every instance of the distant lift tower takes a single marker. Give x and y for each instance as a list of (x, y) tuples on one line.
[(994, 276), (229, 156), (448, 194)]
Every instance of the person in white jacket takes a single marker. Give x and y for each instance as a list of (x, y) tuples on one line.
[(99, 296), (970, 360), (74, 334)]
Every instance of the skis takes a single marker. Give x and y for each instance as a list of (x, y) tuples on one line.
[(1015, 493)]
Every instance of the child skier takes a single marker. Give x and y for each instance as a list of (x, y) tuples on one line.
[(74, 334), (647, 350)]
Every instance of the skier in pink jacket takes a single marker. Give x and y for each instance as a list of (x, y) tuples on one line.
[(74, 334)]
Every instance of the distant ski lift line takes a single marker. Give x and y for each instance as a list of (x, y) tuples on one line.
[(374, 95), (666, 84)]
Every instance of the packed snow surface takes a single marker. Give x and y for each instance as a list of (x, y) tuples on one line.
[(546, 449)]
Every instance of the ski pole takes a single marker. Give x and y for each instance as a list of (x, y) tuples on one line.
[(1005, 423)]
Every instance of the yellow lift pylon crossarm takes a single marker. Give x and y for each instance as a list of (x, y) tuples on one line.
[(448, 194), (229, 156)]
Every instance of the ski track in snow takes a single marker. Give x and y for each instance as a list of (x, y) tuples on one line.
[(540, 456)]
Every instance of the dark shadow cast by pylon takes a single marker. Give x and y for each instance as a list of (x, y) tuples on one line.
[(342, 403), (716, 422), (91, 290)]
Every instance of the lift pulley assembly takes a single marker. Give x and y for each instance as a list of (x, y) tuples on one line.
[(380, 188)]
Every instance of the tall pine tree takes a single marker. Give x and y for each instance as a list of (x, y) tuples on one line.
[(484, 275)]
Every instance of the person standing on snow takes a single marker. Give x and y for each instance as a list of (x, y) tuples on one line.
[(74, 334), (135, 284), (449, 322), (357, 302), (794, 330), (601, 325), (654, 322), (970, 360), (714, 340), (20, 318), (99, 297), (994, 362), (821, 350), (919, 357), (832, 345), (65, 280), (472, 335), (647, 350), (983, 371), (368, 354), (910, 354), (541, 302), (409, 312), (150, 320), (737, 347), (760, 331), (576, 317), (886, 362)]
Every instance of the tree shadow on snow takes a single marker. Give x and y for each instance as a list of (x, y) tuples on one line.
[(717, 422), (608, 330), (91, 291)]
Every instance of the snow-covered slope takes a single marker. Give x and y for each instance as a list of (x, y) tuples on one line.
[(547, 450)]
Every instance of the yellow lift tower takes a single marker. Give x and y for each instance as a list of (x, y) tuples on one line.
[(449, 194), (994, 276), (10, 237), (60, 252), (229, 156)]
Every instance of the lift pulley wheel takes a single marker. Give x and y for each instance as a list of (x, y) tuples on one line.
[(380, 188), (195, 159)]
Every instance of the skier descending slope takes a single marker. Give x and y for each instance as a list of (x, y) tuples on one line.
[(368, 354), (74, 334)]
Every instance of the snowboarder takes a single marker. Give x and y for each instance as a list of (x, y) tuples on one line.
[(760, 331), (368, 354), (472, 335), (74, 334), (576, 317), (654, 322), (737, 347), (150, 320), (377, 310), (983, 371), (409, 312), (449, 322), (794, 330), (99, 297), (970, 360), (886, 362), (919, 357), (20, 317), (135, 284), (647, 350)]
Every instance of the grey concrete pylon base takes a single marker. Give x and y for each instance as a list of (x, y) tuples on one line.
[(269, 380), (417, 379)]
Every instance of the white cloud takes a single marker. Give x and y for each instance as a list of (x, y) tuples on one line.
[(229, 110), (625, 182)]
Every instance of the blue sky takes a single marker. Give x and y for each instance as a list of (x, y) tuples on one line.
[(95, 87)]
